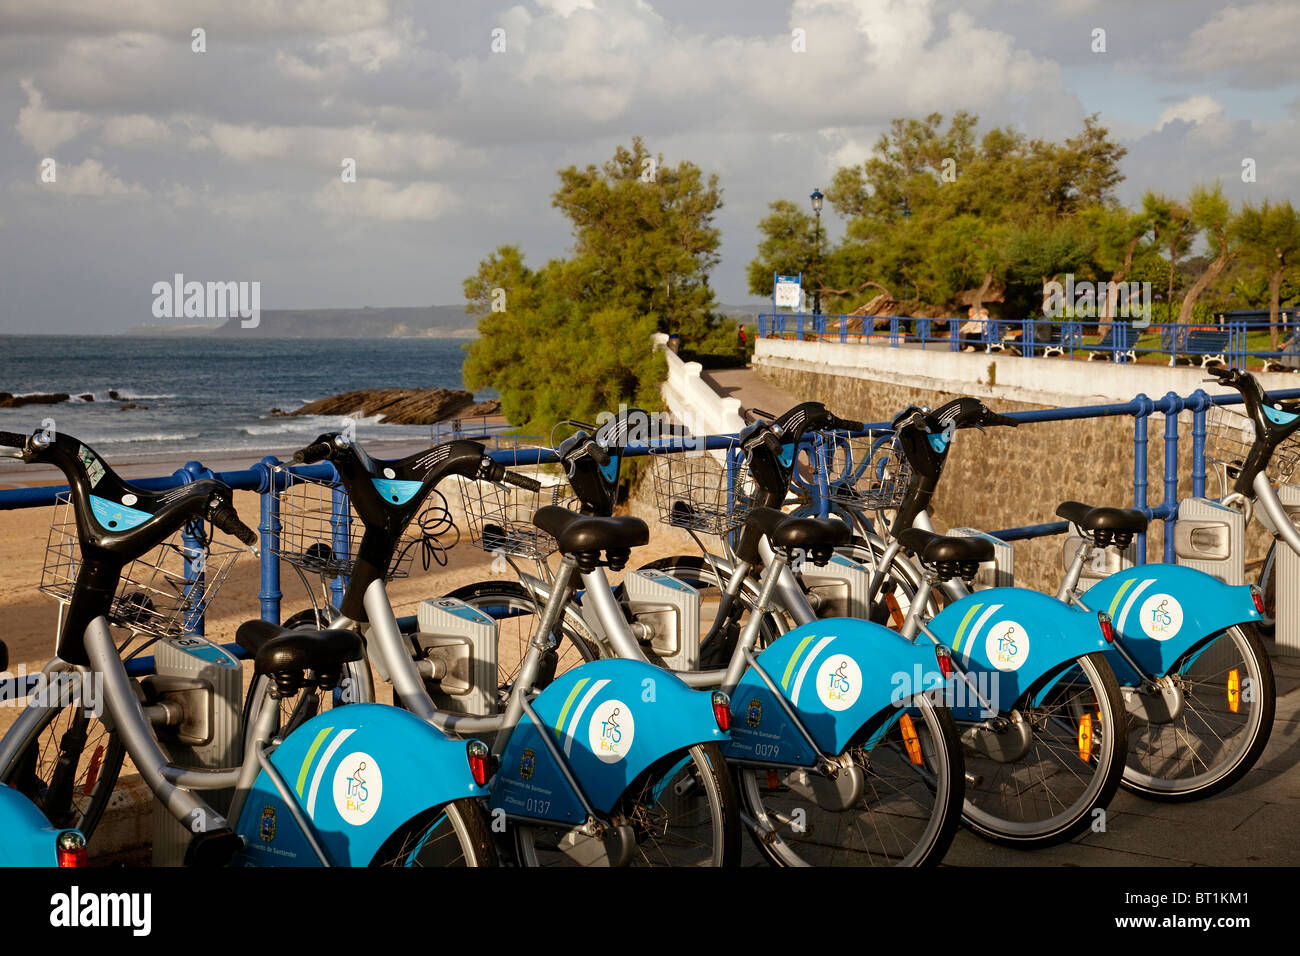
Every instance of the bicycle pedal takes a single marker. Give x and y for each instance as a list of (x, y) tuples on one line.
[(214, 848)]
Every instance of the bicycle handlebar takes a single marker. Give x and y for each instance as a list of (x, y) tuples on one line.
[(13, 440), (521, 481), (227, 519), (316, 451)]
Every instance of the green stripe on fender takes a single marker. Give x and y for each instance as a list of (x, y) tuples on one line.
[(311, 755), (789, 668), (564, 711), (1119, 596), (956, 644)]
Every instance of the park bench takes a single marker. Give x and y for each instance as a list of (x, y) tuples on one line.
[(1119, 341), (1054, 338), (1209, 343)]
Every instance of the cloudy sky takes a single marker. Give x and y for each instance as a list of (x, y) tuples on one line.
[(226, 165)]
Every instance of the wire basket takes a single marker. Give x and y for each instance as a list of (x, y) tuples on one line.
[(1229, 436), (320, 531), (500, 516), (866, 472), (701, 493), (154, 595)]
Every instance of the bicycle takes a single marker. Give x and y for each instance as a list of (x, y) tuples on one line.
[(1197, 684), (1025, 719), (832, 763), (399, 793), (609, 763)]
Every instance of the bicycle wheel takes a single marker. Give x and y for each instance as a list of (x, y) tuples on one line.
[(1072, 767), (68, 766), (511, 605), (455, 834), (905, 814), (682, 812), (1229, 699), (694, 570)]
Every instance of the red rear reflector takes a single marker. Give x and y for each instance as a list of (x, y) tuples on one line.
[(1107, 628), (71, 848), (945, 660), (773, 780), (480, 759), (1257, 596), (722, 710)]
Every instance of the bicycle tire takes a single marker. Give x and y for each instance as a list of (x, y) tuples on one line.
[(419, 841), (77, 796), (1175, 745), (1028, 787), (795, 836), (546, 846)]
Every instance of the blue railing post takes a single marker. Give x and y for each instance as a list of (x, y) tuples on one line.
[(762, 326), (1198, 402), (269, 593), (893, 331), (1143, 407), (341, 526), (1171, 404), (798, 327), (195, 559), (844, 328)]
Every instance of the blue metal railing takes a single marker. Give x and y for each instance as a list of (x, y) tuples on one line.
[(267, 478), (1226, 340)]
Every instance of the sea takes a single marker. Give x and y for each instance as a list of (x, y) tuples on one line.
[(208, 398)]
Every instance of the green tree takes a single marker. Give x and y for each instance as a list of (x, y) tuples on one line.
[(1172, 231), (1212, 215), (573, 338), (1269, 236), (788, 246)]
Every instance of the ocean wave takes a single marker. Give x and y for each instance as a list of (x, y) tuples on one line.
[(147, 436)]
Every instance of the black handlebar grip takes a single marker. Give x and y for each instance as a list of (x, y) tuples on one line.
[(13, 440), (845, 424), (598, 452), (227, 519), (996, 419), (523, 481), (316, 451)]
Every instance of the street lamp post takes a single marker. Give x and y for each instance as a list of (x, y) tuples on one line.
[(817, 198)]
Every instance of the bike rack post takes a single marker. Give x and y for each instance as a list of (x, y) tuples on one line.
[(269, 593), (1142, 408)]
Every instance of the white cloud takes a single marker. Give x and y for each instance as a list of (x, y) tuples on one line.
[(381, 199), (325, 147), (91, 178), (1194, 109), (218, 17), (1255, 42), (44, 129), (134, 128)]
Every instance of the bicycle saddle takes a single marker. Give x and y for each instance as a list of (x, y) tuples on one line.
[(584, 536), (818, 537), (947, 555), (285, 654), (1105, 525)]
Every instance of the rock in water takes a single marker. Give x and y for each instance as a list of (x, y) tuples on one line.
[(397, 406), (8, 400)]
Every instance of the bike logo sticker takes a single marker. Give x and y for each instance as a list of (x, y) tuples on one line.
[(358, 788), (754, 715), (611, 731), (267, 827), (527, 764), (1007, 646), (1161, 617), (839, 682)]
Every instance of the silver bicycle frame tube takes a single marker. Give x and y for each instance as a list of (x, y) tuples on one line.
[(786, 587), (386, 638), (137, 734), (1267, 499), (599, 596)]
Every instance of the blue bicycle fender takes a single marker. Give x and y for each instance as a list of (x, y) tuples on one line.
[(1160, 611), (839, 673), (1008, 638), (28, 839), (358, 773), (611, 719)]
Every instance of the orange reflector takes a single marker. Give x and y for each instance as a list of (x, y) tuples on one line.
[(895, 612), (773, 781), (910, 740), (92, 772), (1234, 690), (1085, 737)]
